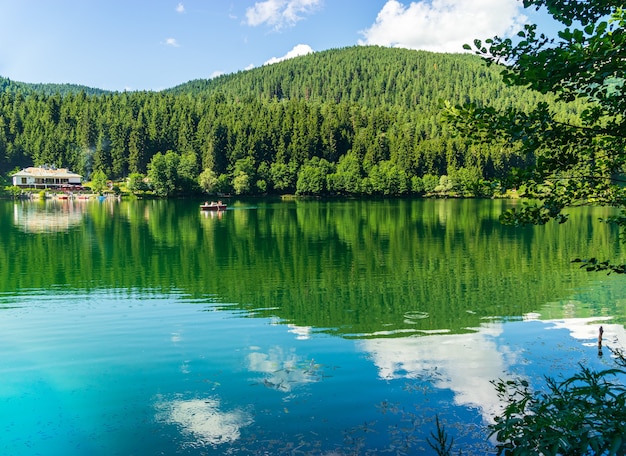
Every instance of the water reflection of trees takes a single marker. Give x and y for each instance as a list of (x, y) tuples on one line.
[(356, 268)]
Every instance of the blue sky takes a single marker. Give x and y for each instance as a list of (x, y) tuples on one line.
[(157, 44)]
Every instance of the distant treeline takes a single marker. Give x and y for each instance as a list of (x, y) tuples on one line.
[(360, 120), (7, 85)]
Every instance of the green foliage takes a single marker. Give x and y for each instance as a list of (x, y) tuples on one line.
[(429, 183), (13, 190), (446, 185), (417, 185), (470, 182), (223, 184), (98, 182), (312, 177), (386, 178), (187, 172), (208, 181), (243, 175), (283, 176), (241, 183), (136, 183), (261, 185), (163, 173), (583, 414), (574, 156), (348, 176)]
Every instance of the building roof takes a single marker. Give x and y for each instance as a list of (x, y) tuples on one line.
[(47, 171)]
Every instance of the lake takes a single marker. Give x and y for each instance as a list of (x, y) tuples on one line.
[(285, 327)]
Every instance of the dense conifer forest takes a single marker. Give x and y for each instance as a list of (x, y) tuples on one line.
[(7, 85), (352, 121)]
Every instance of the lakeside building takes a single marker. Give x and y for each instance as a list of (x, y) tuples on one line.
[(47, 177)]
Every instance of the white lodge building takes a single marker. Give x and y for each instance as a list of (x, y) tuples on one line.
[(46, 177)]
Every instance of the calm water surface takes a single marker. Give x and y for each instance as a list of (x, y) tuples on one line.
[(303, 327)]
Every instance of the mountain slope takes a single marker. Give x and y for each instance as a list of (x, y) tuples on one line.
[(368, 75), (350, 121), (7, 85)]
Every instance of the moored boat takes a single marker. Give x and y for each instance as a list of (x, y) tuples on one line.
[(213, 206)]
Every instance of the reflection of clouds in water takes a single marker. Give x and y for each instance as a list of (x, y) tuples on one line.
[(467, 363), (301, 332), (203, 420), (464, 363), (283, 370), (587, 329)]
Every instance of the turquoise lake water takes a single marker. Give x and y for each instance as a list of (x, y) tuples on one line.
[(308, 327)]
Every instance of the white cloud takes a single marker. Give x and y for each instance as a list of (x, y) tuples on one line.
[(180, 8), (298, 50), (172, 42), (280, 13), (442, 25)]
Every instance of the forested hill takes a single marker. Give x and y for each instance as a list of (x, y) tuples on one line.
[(7, 85), (368, 75), (359, 120)]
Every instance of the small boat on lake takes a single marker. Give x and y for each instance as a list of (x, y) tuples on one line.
[(213, 206)]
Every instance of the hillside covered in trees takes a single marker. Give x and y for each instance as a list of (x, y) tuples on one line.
[(359, 120), (7, 85)]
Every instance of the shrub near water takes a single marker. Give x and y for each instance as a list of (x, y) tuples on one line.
[(584, 414)]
